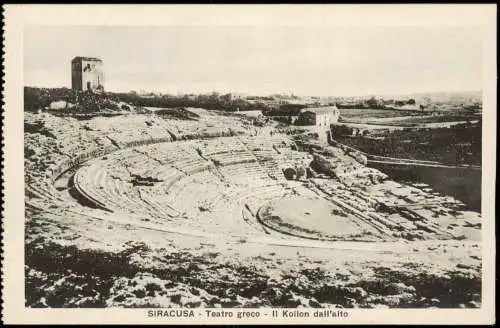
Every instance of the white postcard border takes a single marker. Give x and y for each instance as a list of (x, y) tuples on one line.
[(18, 16)]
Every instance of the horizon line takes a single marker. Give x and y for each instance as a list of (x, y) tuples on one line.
[(279, 93)]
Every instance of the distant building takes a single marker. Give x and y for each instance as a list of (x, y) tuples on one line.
[(409, 107), (87, 74), (321, 116)]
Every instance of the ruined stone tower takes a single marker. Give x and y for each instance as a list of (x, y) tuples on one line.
[(87, 74)]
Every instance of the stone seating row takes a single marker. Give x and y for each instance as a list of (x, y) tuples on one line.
[(219, 145), (229, 158)]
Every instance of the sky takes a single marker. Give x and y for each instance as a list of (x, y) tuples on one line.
[(261, 60)]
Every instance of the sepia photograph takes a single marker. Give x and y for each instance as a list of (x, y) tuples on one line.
[(218, 170)]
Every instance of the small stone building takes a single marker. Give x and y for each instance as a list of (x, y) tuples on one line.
[(321, 116), (87, 74)]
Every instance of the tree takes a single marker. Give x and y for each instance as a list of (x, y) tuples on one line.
[(372, 102)]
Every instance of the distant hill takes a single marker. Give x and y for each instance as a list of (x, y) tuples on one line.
[(445, 97), (452, 96)]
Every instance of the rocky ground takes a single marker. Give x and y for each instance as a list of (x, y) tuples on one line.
[(190, 272)]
